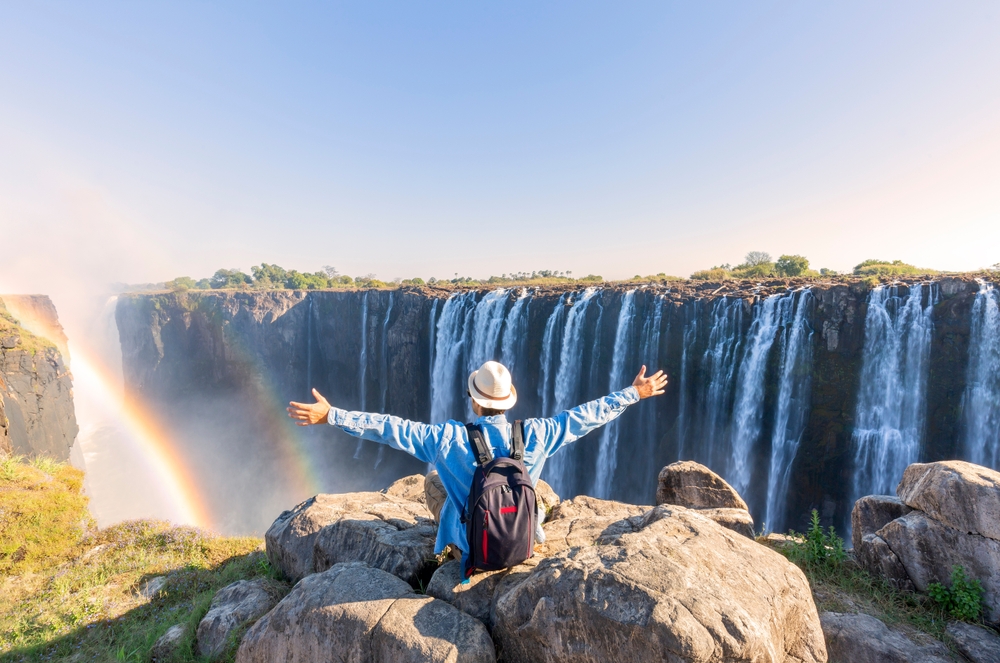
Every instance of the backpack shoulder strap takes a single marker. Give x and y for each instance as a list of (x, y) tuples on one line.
[(517, 440), (479, 446)]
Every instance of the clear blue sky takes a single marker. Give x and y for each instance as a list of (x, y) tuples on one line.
[(145, 140)]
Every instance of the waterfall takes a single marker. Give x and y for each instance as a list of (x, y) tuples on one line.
[(448, 355), (891, 407), (363, 366), (431, 327), (547, 369), (981, 401), (687, 352), (748, 411), (515, 332), (795, 380), (567, 381), (309, 347), (384, 373), (719, 362), (607, 456), (488, 318)]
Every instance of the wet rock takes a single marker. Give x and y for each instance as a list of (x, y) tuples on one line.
[(409, 488), (856, 638), (959, 494), (165, 648), (353, 612), (692, 485), (976, 643), (872, 553), (928, 550), (383, 530), (232, 607), (669, 581)]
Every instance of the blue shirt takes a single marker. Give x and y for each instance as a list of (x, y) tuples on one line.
[(446, 446)]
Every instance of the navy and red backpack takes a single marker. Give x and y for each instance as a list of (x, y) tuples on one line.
[(501, 512)]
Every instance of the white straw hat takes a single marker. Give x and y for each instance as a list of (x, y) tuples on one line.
[(491, 387)]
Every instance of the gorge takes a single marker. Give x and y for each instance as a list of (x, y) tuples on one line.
[(802, 393)]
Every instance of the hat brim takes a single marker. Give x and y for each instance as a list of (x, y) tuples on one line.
[(492, 404)]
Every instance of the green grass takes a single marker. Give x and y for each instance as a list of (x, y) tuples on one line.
[(74, 593), (9, 326)]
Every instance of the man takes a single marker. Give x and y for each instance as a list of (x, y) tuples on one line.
[(447, 445)]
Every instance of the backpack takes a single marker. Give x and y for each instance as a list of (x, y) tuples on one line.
[(501, 512)]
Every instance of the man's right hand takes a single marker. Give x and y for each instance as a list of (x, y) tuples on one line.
[(649, 386)]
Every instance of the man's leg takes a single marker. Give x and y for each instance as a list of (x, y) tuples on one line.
[(434, 494)]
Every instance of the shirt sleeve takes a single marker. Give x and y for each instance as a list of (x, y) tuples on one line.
[(419, 440), (569, 426)]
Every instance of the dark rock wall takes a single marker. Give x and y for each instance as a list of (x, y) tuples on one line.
[(36, 392), (234, 359)]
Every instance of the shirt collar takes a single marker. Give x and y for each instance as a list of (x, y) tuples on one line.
[(495, 419)]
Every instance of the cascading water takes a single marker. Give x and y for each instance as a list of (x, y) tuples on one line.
[(448, 355), (607, 457), (515, 332), (981, 401), (363, 366), (687, 352), (891, 409), (748, 410), (567, 382), (553, 332), (384, 370), (719, 363), (795, 371)]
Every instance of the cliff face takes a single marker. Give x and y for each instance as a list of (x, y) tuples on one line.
[(766, 382), (36, 391)]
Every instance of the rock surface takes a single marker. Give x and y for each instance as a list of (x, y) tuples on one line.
[(872, 553), (409, 488), (165, 648), (976, 643), (545, 495), (385, 531), (582, 520), (669, 581), (692, 485), (477, 598), (856, 638), (929, 549), (959, 494), (355, 613), (737, 520), (232, 607)]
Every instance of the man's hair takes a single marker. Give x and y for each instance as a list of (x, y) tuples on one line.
[(490, 412)]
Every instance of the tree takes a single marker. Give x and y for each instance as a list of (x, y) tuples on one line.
[(181, 283), (230, 278), (269, 276), (791, 265), (755, 258), (330, 271)]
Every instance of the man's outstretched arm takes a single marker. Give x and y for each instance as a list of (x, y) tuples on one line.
[(419, 440), (573, 424)]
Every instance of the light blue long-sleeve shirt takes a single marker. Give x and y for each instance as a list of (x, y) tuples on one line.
[(446, 446)]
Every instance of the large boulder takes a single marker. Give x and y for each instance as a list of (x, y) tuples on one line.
[(477, 597), (582, 520), (692, 485), (167, 646), (857, 638), (928, 549), (382, 530), (409, 488), (355, 613), (976, 643), (737, 520), (546, 496), (232, 607), (670, 583), (871, 514), (959, 494)]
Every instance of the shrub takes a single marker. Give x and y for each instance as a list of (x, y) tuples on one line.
[(230, 278), (181, 283), (791, 265), (963, 600), (887, 268), (817, 548), (714, 274)]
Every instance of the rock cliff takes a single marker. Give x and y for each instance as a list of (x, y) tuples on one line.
[(36, 391), (765, 380)]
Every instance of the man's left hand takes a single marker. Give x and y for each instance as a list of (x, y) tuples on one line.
[(306, 414), (649, 386)]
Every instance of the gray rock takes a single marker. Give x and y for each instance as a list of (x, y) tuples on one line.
[(856, 638), (959, 494), (395, 537), (152, 587), (165, 648), (737, 520), (692, 485), (872, 513), (976, 643), (545, 495), (477, 597), (673, 583), (355, 613), (928, 550), (874, 555), (293, 541), (582, 520), (409, 488), (232, 607)]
